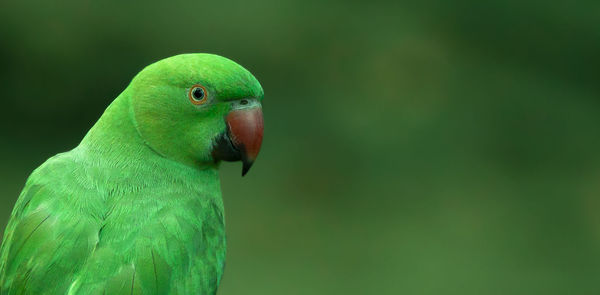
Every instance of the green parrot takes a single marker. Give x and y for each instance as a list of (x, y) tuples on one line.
[(136, 207)]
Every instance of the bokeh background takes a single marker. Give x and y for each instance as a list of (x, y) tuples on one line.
[(438, 147)]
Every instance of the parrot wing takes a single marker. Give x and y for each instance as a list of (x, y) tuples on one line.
[(52, 249), (61, 239), (44, 245)]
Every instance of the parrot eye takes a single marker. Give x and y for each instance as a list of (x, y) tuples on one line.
[(197, 94)]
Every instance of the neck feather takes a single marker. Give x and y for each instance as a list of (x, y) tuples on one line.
[(115, 140)]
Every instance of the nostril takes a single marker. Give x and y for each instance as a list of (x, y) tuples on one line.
[(243, 102)]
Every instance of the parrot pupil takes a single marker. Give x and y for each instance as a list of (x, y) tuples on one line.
[(198, 93)]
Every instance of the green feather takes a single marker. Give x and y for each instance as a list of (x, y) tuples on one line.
[(136, 208)]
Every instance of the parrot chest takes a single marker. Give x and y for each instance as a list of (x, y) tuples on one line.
[(165, 224), (176, 221)]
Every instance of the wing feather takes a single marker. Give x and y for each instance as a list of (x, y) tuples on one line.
[(65, 238)]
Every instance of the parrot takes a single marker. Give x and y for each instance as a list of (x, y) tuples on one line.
[(136, 206)]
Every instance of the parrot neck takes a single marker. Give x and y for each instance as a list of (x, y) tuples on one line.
[(115, 140)]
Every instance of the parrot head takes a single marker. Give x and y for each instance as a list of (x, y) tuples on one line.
[(199, 109)]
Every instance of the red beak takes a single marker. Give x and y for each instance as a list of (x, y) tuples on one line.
[(246, 134)]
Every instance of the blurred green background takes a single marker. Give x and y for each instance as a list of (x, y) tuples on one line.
[(444, 147)]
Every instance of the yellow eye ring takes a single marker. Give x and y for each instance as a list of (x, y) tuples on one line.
[(198, 94)]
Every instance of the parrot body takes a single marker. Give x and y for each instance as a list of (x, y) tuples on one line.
[(136, 208)]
